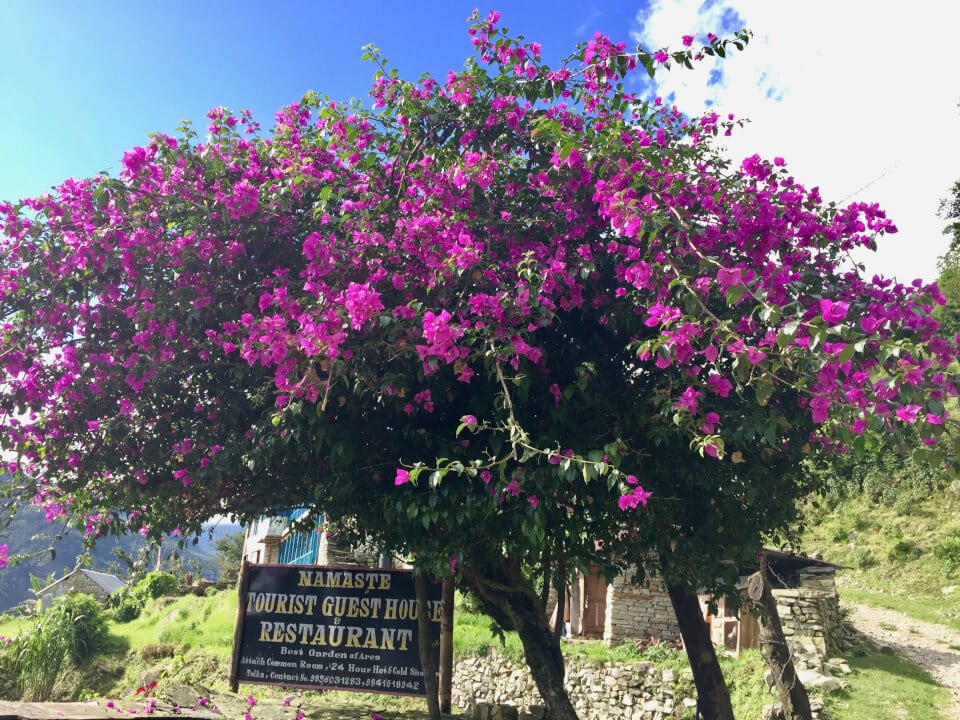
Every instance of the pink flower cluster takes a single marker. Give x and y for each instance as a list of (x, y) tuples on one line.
[(465, 229)]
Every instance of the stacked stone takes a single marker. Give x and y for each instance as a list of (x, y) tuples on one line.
[(639, 611), (634, 691), (810, 614)]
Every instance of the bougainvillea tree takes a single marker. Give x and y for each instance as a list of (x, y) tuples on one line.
[(513, 320)]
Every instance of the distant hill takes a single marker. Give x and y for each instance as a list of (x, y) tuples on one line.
[(30, 534)]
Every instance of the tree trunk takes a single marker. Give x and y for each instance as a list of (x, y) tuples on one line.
[(446, 646), (561, 587), (576, 603), (427, 660), (773, 645), (541, 649), (713, 698)]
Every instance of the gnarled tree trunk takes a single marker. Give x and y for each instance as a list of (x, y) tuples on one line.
[(713, 698), (773, 645), (514, 604)]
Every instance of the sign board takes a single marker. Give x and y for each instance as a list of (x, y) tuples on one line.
[(335, 628)]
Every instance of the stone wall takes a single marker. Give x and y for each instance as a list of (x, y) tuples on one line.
[(599, 691), (81, 583), (638, 612), (810, 614)]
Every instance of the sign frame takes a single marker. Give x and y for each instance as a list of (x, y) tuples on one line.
[(331, 627)]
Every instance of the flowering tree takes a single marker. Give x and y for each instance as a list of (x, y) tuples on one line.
[(482, 320)]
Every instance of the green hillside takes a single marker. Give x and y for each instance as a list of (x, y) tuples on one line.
[(904, 556)]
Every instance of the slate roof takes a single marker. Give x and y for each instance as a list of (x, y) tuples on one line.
[(110, 583)]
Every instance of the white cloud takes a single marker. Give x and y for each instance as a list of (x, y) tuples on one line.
[(860, 98)]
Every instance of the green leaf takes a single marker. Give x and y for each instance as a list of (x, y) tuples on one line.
[(734, 293)]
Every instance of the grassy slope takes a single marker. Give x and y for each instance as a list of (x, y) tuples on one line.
[(903, 558)]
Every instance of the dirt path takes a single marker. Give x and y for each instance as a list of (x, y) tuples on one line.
[(932, 647)]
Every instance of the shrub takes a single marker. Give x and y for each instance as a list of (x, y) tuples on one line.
[(904, 551), (126, 609), (40, 657), (863, 559), (156, 651), (89, 622), (947, 551), (156, 583), (9, 689)]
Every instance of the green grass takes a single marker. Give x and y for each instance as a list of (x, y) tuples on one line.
[(887, 687), (472, 636), (188, 621), (744, 677), (13, 626), (899, 558)]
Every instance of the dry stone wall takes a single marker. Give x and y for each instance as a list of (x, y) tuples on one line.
[(599, 691), (810, 614), (637, 612)]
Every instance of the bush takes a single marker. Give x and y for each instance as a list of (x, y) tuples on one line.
[(128, 604), (9, 689), (156, 584), (126, 609), (904, 551), (40, 657), (863, 559), (947, 551), (89, 621), (73, 630)]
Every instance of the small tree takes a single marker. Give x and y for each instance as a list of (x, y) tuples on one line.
[(229, 554)]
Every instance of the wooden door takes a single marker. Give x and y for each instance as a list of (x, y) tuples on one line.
[(594, 604)]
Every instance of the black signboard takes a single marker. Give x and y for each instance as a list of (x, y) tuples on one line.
[(343, 628)]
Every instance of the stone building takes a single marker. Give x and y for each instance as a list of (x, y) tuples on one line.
[(623, 611), (98, 584)]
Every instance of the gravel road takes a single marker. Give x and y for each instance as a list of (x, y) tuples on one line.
[(932, 647)]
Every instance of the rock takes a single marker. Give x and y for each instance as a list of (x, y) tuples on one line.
[(772, 712), (949, 589), (183, 695), (813, 680), (768, 680), (839, 665)]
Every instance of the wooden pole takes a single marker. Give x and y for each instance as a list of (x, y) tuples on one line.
[(242, 584), (446, 646), (427, 658)]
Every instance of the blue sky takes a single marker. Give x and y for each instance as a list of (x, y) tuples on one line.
[(852, 94)]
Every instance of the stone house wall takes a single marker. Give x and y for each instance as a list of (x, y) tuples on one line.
[(636, 612), (607, 691), (75, 581), (810, 614)]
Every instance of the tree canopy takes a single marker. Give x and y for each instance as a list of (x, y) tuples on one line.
[(488, 318)]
